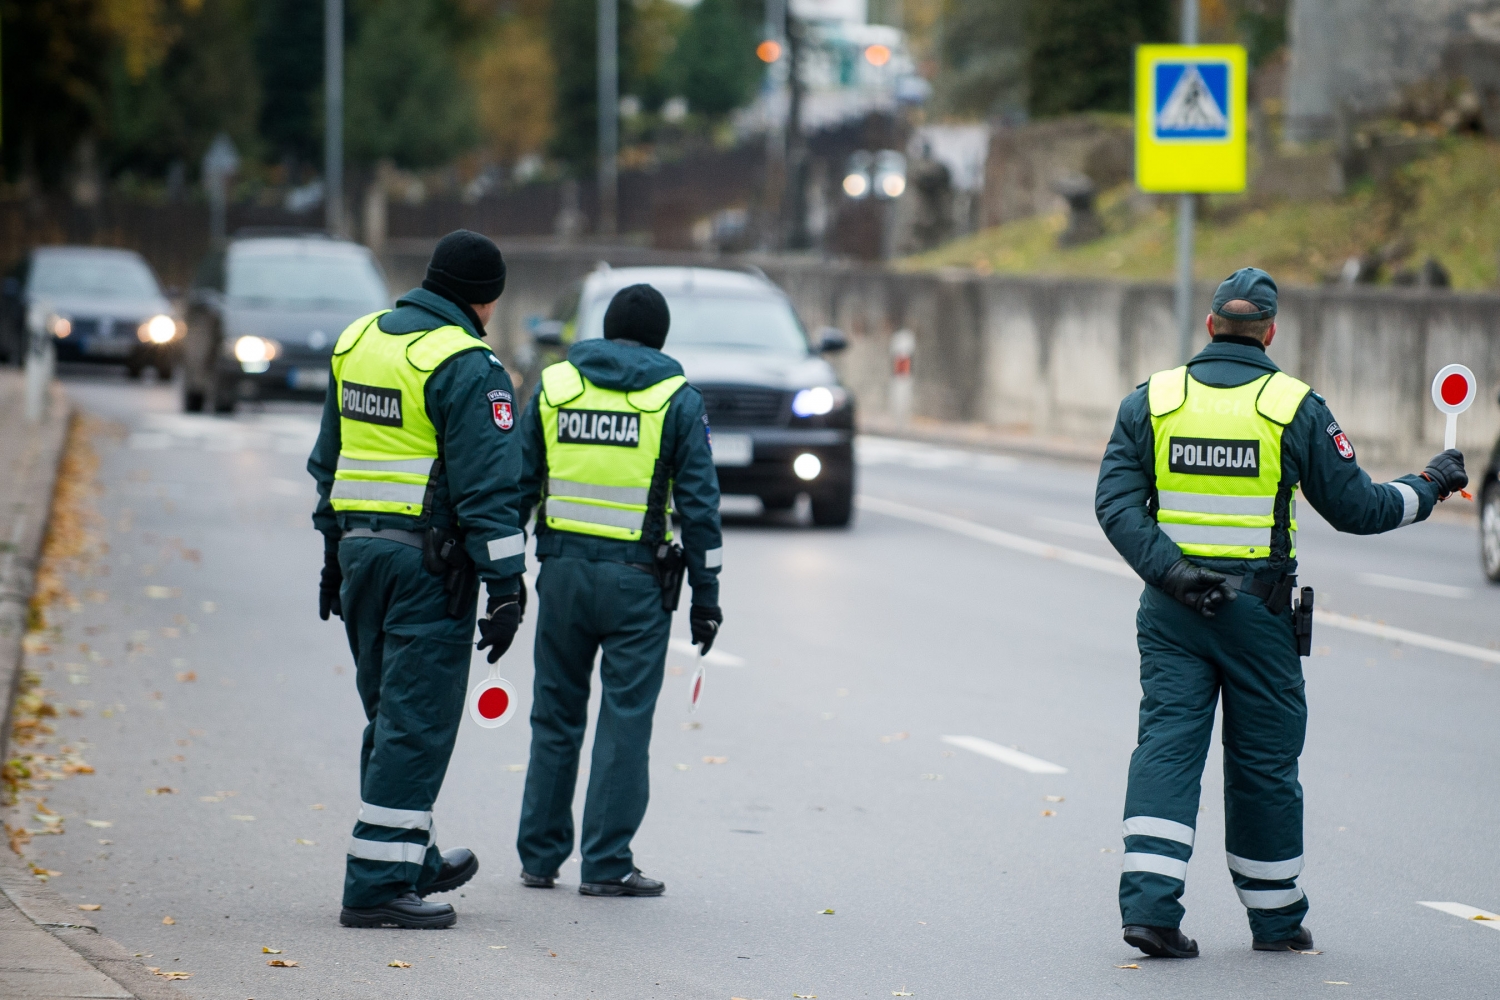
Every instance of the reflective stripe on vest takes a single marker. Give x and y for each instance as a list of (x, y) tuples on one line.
[(1218, 463), (388, 447), (603, 447)]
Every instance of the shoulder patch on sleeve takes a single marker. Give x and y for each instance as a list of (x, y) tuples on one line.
[(495, 395), (1340, 440), (1318, 396), (708, 431), (504, 416), (495, 361)]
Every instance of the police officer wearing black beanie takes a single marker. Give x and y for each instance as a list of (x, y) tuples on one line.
[(610, 436), (417, 467)]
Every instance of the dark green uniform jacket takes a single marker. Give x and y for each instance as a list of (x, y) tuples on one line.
[(627, 366), (1334, 484), (481, 460)]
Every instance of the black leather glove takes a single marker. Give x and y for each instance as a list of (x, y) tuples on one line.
[(1446, 472), (495, 600), (497, 629), (332, 579), (705, 620), (1201, 589)]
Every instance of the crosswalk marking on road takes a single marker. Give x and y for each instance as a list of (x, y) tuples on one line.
[(1118, 567), (1005, 755), (714, 657), (1466, 912)]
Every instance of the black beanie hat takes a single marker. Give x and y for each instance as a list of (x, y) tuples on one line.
[(466, 267), (638, 313)]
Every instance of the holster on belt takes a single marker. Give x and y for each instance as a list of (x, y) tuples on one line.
[(1302, 622), (669, 563), (443, 555)]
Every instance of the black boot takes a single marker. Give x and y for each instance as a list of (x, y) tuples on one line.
[(634, 884), (459, 865), (1161, 942), (407, 911), (1300, 941), (538, 881)]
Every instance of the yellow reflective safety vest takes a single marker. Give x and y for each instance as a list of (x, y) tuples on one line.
[(1218, 464), (603, 452), (388, 448)]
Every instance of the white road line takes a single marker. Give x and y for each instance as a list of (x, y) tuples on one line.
[(1118, 567), (1005, 755), (1020, 543), (1462, 910), (714, 657), (1414, 586)]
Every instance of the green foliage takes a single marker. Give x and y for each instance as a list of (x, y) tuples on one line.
[(289, 63), (1080, 53), (404, 97), (572, 28), (715, 64), (1262, 28), (206, 84), (983, 57), (53, 66)]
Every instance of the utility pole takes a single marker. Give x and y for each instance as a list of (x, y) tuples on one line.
[(775, 178), (333, 116), (609, 116), (1185, 207)]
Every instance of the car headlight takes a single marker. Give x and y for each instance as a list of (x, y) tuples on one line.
[(59, 326), (818, 401), (254, 350), (159, 329)]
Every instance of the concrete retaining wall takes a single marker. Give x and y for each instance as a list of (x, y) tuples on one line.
[(1053, 357)]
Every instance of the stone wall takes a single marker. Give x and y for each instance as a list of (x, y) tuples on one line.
[(1053, 357)]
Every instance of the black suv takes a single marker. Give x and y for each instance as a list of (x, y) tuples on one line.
[(781, 424), (264, 313)]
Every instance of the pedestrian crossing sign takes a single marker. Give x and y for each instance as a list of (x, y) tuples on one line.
[(1190, 110)]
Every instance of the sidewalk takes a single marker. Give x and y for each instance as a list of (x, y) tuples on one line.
[(47, 949)]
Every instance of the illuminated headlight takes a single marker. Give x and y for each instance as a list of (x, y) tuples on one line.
[(856, 185), (159, 329), (818, 401), (892, 185), (253, 350), (807, 467), (59, 326)]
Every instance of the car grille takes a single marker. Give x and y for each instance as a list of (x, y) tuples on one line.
[(744, 406), (126, 327), (85, 328)]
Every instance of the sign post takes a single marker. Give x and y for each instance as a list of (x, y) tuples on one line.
[(1190, 112)]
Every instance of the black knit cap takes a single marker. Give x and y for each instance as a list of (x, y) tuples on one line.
[(638, 313), (466, 267)]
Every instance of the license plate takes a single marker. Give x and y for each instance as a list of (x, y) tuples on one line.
[(733, 449), (308, 378)]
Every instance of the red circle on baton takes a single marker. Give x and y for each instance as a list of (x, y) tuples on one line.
[(1455, 389)]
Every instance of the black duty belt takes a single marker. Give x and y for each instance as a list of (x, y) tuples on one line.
[(412, 538), (1276, 593)]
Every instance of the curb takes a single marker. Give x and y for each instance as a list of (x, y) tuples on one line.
[(34, 474)]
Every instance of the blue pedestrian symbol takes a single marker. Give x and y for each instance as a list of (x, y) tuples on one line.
[(1192, 101)]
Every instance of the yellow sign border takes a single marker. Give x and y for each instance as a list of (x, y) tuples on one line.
[(1186, 166)]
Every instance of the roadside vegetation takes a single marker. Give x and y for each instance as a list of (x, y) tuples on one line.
[(1445, 206)]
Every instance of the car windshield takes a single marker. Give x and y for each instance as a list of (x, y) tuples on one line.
[(87, 274), (311, 280), (724, 322)]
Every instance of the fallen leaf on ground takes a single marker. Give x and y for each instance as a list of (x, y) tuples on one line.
[(1052, 798), (1308, 952), (106, 842), (932, 777), (901, 993), (243, 819), (209, 798), (91, 907), (683, 767), (307, 843), (823, 912), (396, 963), (553, 954), (187, 676), (716, 760), (316, 805), (894, 737), (1334, 982), (691, 725), (498, 947), (1480, 916), (168, 921), (1106, 850), (209, 607), (281, 963), (1132, 965), (804, 996), (160, 593), (515, 768), (269, 951), (163, 790), (44, 873), (169, 975), (1049, 812)]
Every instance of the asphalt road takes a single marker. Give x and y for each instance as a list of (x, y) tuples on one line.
[(840, 848)]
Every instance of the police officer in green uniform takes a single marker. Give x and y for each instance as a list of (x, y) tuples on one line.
[(614, 440), (1197, 492), (417, 466)]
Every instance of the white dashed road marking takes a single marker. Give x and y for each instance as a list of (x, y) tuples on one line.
[(1466, 912), (1005, 755), (1414, 586), (1118, 567)]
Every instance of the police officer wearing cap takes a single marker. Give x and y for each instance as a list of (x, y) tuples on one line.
[(1198, 492), (615, 443), (417, 465)]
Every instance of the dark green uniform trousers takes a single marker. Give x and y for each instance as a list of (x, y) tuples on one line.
[(1247, 656), (412, 669), (584, 605)]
